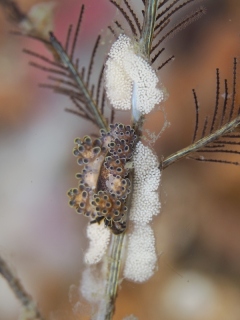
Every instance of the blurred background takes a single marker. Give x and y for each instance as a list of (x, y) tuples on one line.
[(198, 230)]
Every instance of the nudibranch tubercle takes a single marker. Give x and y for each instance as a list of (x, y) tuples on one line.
[(103, 180)]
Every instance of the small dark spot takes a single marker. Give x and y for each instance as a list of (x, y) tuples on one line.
[(84, 194), (82, 204)]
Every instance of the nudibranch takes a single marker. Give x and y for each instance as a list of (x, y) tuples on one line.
[(103, 181)]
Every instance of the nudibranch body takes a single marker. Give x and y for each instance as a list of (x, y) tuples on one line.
[(103, 180)]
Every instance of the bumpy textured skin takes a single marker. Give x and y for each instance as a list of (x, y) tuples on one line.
[(103, 180)]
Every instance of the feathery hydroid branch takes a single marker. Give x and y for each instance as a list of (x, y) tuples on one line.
[(183, 153), (100, 120)]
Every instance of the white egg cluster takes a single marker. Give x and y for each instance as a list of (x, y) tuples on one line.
[(99, 237), (125, 70), (145, 198), (92, 284), (141, 255)]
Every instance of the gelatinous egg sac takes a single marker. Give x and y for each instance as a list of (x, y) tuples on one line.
[(103, 180)]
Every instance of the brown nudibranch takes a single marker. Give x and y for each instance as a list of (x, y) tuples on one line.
[(103, 180)]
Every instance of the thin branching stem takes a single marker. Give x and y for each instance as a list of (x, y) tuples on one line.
[(183, 153), (30, 309), (115, 252), (114, 264), (197, 115), (117, 241), (100, 120), (146, 38)]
